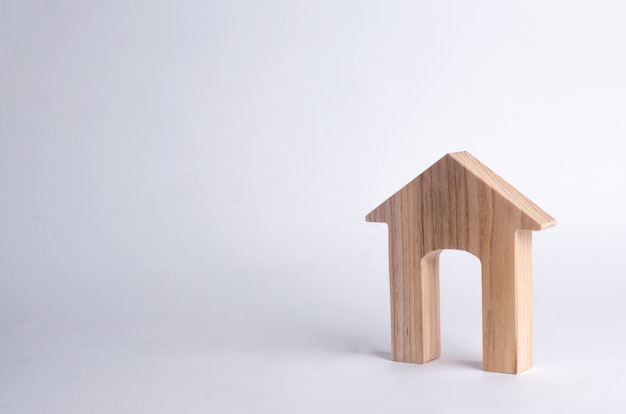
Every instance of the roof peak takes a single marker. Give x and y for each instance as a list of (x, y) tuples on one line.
[(538, 218)]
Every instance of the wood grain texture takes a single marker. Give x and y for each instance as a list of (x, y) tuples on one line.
[(459, 203)]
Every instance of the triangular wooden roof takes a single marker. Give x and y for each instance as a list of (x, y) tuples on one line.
[(538, 217)]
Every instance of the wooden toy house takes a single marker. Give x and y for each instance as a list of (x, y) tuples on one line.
[(459, 203)]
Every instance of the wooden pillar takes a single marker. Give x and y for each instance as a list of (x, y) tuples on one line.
[(414, 284), (507, 306)]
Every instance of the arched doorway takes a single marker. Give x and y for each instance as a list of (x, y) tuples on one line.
[(461, 307)]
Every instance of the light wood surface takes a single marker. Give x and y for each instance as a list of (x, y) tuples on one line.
[(459, 203)]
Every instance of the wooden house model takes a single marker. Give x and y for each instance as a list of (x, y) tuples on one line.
[(459, 203)]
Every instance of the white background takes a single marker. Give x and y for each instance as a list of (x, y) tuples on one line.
[(183, 188)]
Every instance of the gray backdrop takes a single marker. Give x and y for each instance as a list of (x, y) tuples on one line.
[(183, 188)]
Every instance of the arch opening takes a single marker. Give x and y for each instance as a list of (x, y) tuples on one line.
[(458, 274)]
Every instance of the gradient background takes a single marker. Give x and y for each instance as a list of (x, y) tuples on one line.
[(183, 188)]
